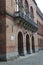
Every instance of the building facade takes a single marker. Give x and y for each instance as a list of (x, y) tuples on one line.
[(40, 28), (19, 28)]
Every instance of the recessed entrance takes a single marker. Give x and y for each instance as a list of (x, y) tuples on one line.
[(33, 47), (20, 44), (27, 44)]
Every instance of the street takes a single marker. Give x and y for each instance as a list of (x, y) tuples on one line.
[(33, 59)]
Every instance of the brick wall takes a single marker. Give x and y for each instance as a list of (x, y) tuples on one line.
[(2, 28), (2, 4), (40, 44), (40, 28), (40, 33)]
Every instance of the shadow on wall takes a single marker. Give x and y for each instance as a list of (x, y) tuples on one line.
[(2, 30)]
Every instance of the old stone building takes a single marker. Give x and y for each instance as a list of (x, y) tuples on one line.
[(21, 29), (40, 28)]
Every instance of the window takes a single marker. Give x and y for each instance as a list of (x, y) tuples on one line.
[(16, 1), (26, 7), (20, 5), (16, 5), (31, 12)]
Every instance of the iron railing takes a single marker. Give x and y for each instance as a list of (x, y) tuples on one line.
[(26, 18)]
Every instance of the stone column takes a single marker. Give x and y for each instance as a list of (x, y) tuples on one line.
[(36, 42), (24, 44), (30, 43)]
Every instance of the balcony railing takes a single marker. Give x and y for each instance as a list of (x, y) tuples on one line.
[(26, 18)]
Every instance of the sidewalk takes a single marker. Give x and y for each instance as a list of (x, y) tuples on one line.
[(27, 56), (32, 59)]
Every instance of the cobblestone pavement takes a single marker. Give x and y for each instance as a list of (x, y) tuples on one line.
[(35, 59)]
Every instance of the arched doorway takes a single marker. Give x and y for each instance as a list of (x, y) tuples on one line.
[(20, 44), (27, 44), (33, 47)]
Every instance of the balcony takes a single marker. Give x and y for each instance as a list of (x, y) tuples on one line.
[(29, 24)]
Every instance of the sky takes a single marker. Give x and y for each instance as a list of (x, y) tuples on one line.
[(40, 4)]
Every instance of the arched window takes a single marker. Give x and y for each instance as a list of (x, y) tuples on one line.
[(31, 12), (26, 7), (20, 5)]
